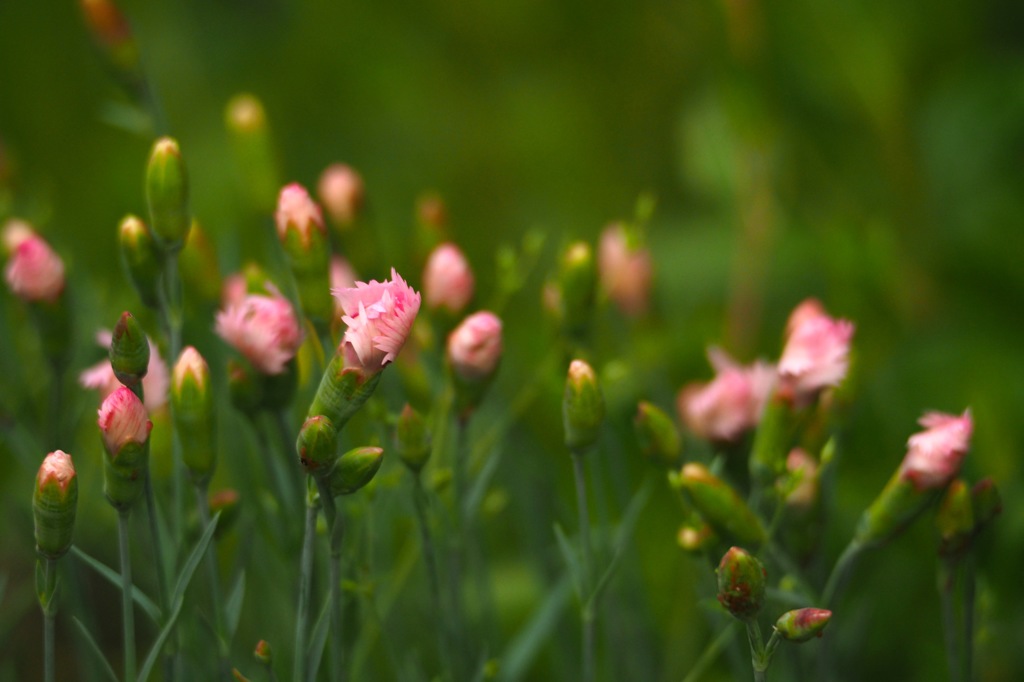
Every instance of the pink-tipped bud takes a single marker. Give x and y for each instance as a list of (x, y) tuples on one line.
[(741, 583), (934, 455), (341, 191), (155, 383), (447, 279), (297, 211), (54, 504), (379, 316), (123, 419), (724, 408), (802, 624), (816, 354), (263, 329), (474, 348), (625, 270), (35, 272)]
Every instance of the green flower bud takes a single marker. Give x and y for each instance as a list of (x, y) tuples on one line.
[(167, 195), (129, 351), (411, 439), (721, 506), (577, 283), (317, 445), (246, 122), (582, 406), (658, 437), (355, 469), (262, 653), (342, 391), (54, 503), (124, 427), (802, 624), (741, 583), (140, 256), (955, 518), (193, 413)]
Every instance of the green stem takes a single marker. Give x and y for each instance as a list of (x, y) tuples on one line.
[(336, 529), (458, 544), (305, 582), (430, 558), (158, 558), (968, 614), (49, 620), (216, 604), (128, 615), (588, 609), (710, 653), (840, 573), (757, 653)]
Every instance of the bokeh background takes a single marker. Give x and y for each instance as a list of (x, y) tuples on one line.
[(870, 154)]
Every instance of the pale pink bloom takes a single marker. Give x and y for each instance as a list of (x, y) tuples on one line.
[(447, 279), (816, 354), (379, 316), (474, 348), (263, 329), (341, 191), (123, 419), (154, 385), (14, 233), (297, 211), (35, 272), (933, 456), (342, 277), (729, 404), (234, 290), (58, 468), (625, 271)]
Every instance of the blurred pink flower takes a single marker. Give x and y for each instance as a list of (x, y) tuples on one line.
[(34, 272), (14, 233), (123, 419), (805, 493), (625, 271), (341, 191), (729, 404), (816, 354), (263, 329), (474, 348), (295, 209), (379, 316), (447, 279), (934, 455), (234, 290), (342, 277), (154, 385)]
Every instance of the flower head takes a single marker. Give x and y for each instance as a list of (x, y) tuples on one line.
[(474, 348), (297, 211), (154, 384), (729, 404), (123, 419), (934, 455), (625, 270), (34, 272), (816, 354), (263, 329), (341, 191), (379, 316), (447, 279)]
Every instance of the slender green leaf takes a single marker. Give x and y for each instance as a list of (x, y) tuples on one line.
[(572, 561), (480, 483), (623, 535), (114, 578), (319, 638), (233, 606), (527, 643), (95, 648)]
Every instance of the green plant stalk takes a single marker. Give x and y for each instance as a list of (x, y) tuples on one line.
[(588, 607), (968, 615), (216, 603), (430, 558), (710, 653), (278, 472), (335, 530), (757, 654), (49, 621), (840, 573), (158, 558), (128, 614), (305, 582), (460, 626)]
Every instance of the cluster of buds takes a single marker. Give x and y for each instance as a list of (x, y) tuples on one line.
[(344, 474)]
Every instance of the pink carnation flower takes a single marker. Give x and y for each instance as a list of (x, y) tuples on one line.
[(816, 354), (297, 210), (474, 348), (447, 279), (934, 455), (379, 316), (729, 404), (625, 271), (341, 191), (154, 385), (34, 272), (123, 419), (263, 329)]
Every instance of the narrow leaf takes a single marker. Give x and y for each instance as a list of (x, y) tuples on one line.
[(94, 647), (623, 535), (480, 483), (233, 606), (114, 578), (527, 643), (319, 638), (572, 561)]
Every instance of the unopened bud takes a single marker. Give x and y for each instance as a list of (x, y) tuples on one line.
[(129, 351), (411, 439), (193, 413), (317, 445), (141, 258), (341, 191), (224, 502), (355, 469), (721, 506), (741, 583), (124, 427), (582, 406), (167, 195), (262, 652), (577, 281), (300, 228), (657, 436), (54, 504), (447, 279), (801, 625)]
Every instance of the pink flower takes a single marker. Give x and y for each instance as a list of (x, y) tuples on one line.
[(154, 385), (474, 348), (297, 211), (379, 316), (56, 469), (730, 403), (447, 279), (625, 271), (341, 191), (934, 455), (234, 290), (816, 354), (263, 329), (123, 419), (34, 272)]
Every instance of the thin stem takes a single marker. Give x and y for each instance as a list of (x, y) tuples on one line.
[(430, 558), (710, 653), (49, 620), (968, 615), (840, 573), (277, 471), (336, 530), (950, 631), (458, 542), (757, 653), (158, 558), (305, 582), (213, 579), (588, 608), (128, 615)]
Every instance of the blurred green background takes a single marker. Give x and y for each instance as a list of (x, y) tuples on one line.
[(870, 154)]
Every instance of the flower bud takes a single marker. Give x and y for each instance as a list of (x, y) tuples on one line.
[(193, 413), (657, 436), (625, 269), (741, 584), (411, 439), (447, 279), (355, 469), (341, 192), (801, 625), (167, 195), (431, 222), (54, 503), (140, 256), (35, 272), (720, 505), (113, 36), (124, 427), (262, 653), (577, 281), (253, 148), (582, 406), (300, 227), (317, 445), (129, 351)]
